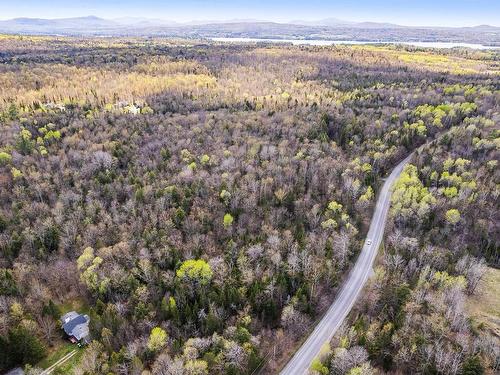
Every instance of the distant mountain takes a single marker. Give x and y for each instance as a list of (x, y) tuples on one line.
[(326, 29), (335, 22), (332, 22), (215, 22), (378, 25), (93, 24), (486, 28), (142, 21), (39, 25)]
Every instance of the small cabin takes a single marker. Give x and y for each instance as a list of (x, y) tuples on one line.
[(76, 326)]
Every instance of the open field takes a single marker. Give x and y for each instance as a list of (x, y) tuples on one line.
[(484, 306)]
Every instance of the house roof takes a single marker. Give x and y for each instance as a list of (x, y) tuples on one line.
[(69, 316), (76, 325), (16, 371)]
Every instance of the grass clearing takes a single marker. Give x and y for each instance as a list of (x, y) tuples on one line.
[(484, 306), (56, 352), (68, 366), (78, 305)]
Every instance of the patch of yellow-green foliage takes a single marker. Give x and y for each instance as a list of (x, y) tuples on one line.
[(452, 216), (5, 158), (410, 196), (196, 270), (228, 220), (334, 206), (157, 339)]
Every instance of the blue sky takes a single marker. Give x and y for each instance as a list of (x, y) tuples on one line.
[(407, 12)]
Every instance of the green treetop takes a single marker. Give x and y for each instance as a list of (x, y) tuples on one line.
[(196, 270), (228, 220), (157, 339), (452, 216)]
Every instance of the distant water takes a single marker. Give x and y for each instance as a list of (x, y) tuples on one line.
[(318, 42)]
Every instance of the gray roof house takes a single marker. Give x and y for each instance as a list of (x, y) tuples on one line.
[(16, 371), (76, 326)]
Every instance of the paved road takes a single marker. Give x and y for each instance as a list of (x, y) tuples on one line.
[(337, 312)]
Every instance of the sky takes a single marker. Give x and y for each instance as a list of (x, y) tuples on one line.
[(403, 12)]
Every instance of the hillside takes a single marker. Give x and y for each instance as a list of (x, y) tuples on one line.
[(202, 202), (327, 29)]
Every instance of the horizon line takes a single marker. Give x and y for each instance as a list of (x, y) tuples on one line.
[(248, 20)]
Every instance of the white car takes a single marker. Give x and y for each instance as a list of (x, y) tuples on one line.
[(368, 242)]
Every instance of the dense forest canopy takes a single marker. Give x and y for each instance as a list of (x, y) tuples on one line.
[(203, 201)]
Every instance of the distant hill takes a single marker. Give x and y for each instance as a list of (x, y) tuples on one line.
[(335, 22), (486, 28), (326, 29), (40, 25), (378, 25), (144, 22)]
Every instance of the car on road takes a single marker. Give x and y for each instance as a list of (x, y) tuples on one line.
[(368, 242)]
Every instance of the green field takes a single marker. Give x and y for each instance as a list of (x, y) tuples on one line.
[(484, 306)]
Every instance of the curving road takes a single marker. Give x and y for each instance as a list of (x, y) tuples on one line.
[(349, 293)]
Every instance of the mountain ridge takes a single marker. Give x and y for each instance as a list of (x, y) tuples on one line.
[(326, 29), (326, 22)]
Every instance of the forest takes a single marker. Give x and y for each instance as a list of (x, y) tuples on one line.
[(203, 202)]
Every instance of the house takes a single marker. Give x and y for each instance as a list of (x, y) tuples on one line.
[(16, 371), (76, 327), (128, 108), (133, 109)]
